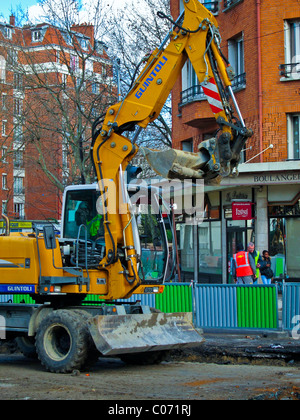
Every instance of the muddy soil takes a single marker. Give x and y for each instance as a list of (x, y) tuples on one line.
[(179, 381)]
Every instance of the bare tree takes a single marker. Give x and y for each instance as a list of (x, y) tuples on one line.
[(135, 31), (59, 88)]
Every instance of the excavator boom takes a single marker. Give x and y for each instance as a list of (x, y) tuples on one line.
[(195, 36)]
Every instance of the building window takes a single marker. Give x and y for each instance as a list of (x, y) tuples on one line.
[(19, 210), (293, 136), (18, 81), (12, 57), (4, 154), (74, 63), (2, 69), (104, 70), (4, 207), (18, 185), (191, 89), (36, 36), (17, 107), (18, 159), (187, 145), (64, 79), (89, 66), (4, 181), (95, 88), (4, 96), (236, 59), (83, 43), (4, 123), (18, 133), (7, 32), (291, 68)]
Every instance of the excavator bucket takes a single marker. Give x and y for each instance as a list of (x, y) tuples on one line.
[(172, 163), (135, 333)]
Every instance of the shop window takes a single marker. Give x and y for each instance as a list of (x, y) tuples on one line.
[(284, 233), (210, 252), (212, 207)]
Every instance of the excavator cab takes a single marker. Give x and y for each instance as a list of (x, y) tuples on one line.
[(83, 223)]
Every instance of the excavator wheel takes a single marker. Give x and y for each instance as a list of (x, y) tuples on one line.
[(62, 342), (26, 345)]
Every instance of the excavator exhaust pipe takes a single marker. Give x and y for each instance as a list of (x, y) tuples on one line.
[(136, 333)]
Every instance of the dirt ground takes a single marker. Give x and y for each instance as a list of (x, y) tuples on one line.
[(177, 380)]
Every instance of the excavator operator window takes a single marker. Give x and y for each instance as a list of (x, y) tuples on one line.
[(80, 209), (153, 244)]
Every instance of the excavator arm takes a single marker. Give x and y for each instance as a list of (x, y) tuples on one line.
[(194, 36)]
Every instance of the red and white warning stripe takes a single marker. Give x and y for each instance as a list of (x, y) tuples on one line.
[(211, 91)]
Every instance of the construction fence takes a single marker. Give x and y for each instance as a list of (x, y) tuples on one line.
[(224, 306)]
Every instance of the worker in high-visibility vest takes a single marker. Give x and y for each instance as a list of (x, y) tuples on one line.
[(243, 266), (255, 254), (96, 226)]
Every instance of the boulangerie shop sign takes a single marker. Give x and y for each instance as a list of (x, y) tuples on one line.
[(241, 210)]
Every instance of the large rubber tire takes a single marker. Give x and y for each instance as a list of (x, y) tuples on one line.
[(62, 342), (26, 345)]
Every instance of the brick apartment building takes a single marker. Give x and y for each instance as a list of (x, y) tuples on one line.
[(53, 83), (261, 38)]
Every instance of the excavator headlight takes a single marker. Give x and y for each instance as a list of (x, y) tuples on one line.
[(154, 289), (55, 289)]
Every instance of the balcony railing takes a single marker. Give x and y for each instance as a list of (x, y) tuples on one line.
[(290, 70), (229, 3), (195, 93), (192, 94), (239, 82)]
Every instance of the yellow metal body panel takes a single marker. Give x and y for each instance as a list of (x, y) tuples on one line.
[(14, 250)]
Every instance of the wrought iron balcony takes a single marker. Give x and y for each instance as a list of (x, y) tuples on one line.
[(239, 82), (229, 3), (192, 94), (290, 70), (195, 93)]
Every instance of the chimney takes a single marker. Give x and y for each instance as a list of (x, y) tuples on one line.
[(12, 20)]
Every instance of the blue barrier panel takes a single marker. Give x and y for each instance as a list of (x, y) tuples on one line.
[(6, 298), (290, 305), (215, 306)]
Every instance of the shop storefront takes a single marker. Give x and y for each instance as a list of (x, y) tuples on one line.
[(272, 191)]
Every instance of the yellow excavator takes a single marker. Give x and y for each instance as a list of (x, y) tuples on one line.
[(99, 251)]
